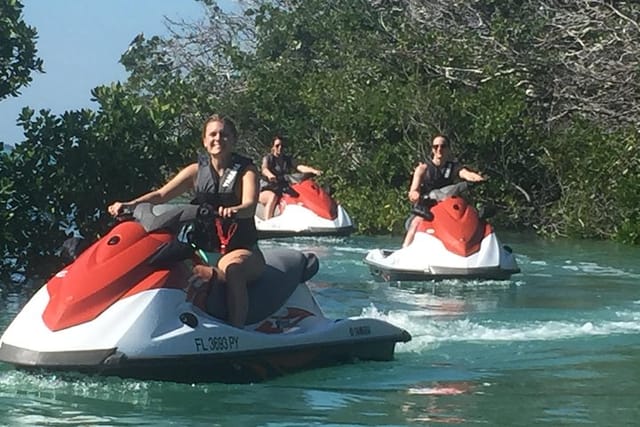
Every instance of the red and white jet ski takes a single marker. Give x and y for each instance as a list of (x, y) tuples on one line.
[(304, 209), (124, 308), (455, 242)]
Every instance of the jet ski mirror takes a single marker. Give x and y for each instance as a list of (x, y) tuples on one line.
[(296, 178)]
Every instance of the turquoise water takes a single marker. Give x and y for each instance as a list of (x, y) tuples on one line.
[(557, 345)]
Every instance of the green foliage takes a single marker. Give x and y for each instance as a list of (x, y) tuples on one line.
[(626, 202), (497, 135), (376, 211), (7, 192), (70, 167), (597, 173), (17, 49)]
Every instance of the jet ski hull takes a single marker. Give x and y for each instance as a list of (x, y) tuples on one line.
[(390, 274), (227, 367), (307, 211), (454, 243), (124, 308), (158, 335)]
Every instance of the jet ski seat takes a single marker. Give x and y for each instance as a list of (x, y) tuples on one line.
[(285, 269)]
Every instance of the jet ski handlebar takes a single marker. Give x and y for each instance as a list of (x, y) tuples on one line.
[(298, 177), (439, 194), (167, 216)]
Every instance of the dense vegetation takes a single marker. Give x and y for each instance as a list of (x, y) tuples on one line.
[(18, 57), (542, 96)]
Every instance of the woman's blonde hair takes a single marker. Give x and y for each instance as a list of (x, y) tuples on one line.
[(228, 124)]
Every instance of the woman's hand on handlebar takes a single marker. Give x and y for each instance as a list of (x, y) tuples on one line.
[(414, 196), (116, 208), (227, 212), (121, 210)]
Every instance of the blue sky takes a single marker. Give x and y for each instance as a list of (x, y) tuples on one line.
[(80, 42)]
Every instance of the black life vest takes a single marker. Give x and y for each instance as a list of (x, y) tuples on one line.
[(279, 166), (215, 190), (439, 176), (211, 233)]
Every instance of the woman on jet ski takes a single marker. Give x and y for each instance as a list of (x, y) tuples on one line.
[(228, 181), (439, 171), (275, 166)]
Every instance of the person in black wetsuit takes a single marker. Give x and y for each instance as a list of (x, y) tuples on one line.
[(275, 166), (228, 183), (439, 171)]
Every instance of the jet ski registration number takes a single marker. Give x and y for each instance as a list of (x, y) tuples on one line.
[(215, 344)]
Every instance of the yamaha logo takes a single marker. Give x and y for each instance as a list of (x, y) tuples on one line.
[(231, 176)]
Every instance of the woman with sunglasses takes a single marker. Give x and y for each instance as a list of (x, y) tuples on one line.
[(275, 166), (439, 171)]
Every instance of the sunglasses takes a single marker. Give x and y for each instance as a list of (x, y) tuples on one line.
[(440, 146)]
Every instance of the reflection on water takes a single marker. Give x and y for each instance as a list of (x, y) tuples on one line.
[(425, 405)]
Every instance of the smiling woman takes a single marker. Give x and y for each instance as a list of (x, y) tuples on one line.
[(226, 187), (81, 44)]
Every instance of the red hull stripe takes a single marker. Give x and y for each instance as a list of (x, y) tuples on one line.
[(312, 197)]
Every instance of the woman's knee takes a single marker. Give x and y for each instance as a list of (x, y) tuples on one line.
[(264, 197), (267, 194), (244, 267)]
